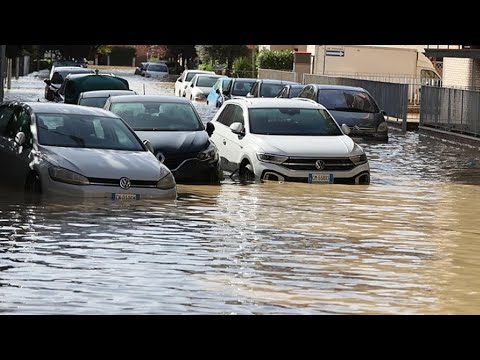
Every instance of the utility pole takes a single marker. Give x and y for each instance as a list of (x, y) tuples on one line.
[(2, 69)]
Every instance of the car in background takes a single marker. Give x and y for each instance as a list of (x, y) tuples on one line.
[(98, 98), (178, 136), (237, 87), (287, 140), (139, 70), (218, 88), (74, 86), (156, 71), (200, 86), (184, 80), (290, 91), (70, 150), (59, 95), (268, 88), (353, 106), (57, 76)]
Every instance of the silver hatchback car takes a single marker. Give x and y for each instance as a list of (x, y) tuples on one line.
[(71, 150)]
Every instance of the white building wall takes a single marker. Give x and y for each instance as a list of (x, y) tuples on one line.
[(457, 72)]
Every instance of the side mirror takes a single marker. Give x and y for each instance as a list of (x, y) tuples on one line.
[(210, 129), (217, 91), (47, 81), (237, 128), (149, 146), (20, 138), (346, 130), (384, 113), (191, 85)]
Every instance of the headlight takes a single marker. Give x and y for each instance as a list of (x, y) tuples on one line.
[(382, 127), (167, 182), (359, 159), (210, 153), (67, 176), (275, 159)]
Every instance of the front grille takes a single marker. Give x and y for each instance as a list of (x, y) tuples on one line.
[(116, 182), (172, 161), (331, 164)]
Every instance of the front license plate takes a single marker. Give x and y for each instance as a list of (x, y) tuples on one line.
[(125, 196), (320, 178)]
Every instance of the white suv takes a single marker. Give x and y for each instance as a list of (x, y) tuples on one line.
[(287, 140), (184, 80)]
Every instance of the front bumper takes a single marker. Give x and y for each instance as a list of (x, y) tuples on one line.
[(266, 171), (195, 171)]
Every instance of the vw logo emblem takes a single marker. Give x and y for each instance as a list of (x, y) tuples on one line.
[(125, 183), (320, 164)]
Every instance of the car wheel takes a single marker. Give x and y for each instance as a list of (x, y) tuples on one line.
[(33, 185), (246, 173)]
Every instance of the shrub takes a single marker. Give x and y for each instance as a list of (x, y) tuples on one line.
[(122, 55), (276, 60)]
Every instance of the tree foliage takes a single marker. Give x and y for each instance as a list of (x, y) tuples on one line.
[(223, 54), (277, 60)]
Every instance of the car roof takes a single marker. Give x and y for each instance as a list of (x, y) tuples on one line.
[(149, 98), (337, 87), (201, 71), (245, 79), (277, 102), (96, 93), (72, 68), (59, 108), (283, 82)]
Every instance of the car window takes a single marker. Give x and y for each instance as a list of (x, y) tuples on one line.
[(217, 85), (294, 92), (190, 76), (5, 115), (283, 92), (225, 117), (253, 90), (159, 116), (94, 102), (86, 131), (20, 121), (307, 92), (347, 100), (241, 88), (270, 90), (225, 83), (157, 67), (206, 81), (292, 121), (237, 115)]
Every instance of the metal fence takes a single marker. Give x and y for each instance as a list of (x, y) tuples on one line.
[(277, 75), (391, 97), (451, 109)]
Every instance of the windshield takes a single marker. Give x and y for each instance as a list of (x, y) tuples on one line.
[(242, 88), (156, 116), (270, 90), (86, 131), (190, 76), (347, 100), (157, 67), (292, 121), (206, 81), (95, 102)]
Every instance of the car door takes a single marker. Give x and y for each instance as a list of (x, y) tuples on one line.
[(17, 157), (213, 95), (179, 84), (6, 112), (219, 136), (233, 142)]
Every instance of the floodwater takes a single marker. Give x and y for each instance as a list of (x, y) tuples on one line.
[(409, 243)]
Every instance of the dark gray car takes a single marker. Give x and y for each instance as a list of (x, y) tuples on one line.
[(353, 106)]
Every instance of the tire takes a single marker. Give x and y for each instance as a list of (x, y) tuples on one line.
[(33, 184), (246, 173)]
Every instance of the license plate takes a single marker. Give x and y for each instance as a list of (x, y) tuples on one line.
[(320, 178), (125, 196)]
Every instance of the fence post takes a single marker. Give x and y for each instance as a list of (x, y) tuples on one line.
[(2, 70), (9, 73), (405, 108), (449, 108), (17, 67), (461, 111)]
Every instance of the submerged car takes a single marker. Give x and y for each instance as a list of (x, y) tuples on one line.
[(70, 150), (58, 75), (290, 91), (353, 106), (156, 71), (200, 86), (76, 85), (184, 80), (287, 140), (178, 136), (268, 88), (236, 87)]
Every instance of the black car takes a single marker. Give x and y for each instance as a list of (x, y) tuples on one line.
[(140, 70), (353, 106), (268, 88), (290, 91), (175, 130), (236, 87)]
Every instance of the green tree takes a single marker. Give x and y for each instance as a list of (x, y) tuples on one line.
[(277, 60), (223, 54)]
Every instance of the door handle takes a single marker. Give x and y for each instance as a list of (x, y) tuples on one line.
[(224, 142)]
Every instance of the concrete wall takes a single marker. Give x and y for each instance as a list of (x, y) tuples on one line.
[(457, 72)]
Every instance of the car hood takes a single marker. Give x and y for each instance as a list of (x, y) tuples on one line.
[(204, 90), (176, 141), (102, 163), (333, 146), (360, 119)]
